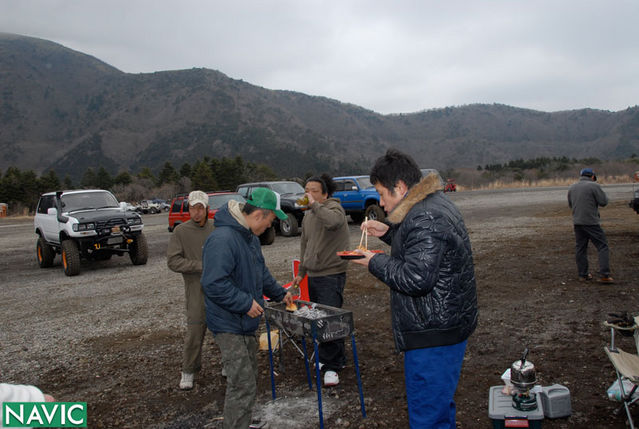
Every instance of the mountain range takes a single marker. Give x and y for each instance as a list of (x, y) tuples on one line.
[(64, 110)]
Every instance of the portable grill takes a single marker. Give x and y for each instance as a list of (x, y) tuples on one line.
[(322, 322), (319, 322)]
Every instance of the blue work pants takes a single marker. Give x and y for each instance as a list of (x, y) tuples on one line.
[(431, 376)]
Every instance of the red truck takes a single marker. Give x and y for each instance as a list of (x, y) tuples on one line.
[(179, 211)]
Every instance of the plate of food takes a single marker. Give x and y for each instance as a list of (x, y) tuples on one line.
[(354, 254), (363, 246)]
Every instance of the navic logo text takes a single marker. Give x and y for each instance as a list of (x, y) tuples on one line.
[(44, 414)]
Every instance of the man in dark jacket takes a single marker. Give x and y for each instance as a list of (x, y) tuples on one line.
[(584, 198), (431, 276), (234, 280)]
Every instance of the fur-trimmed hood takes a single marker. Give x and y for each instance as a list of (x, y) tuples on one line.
[(428, 185)]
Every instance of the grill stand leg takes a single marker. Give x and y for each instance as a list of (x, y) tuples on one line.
[(359, 379), (318, 379), (279, 351), (308, 369), (270, 357)]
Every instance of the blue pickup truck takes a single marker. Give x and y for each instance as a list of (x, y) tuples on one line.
[(358, 197)]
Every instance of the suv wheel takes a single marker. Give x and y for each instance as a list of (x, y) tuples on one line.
[(45, 253), (268, 237), (70, 258), (139, 250), (289, 227), (375, 212)]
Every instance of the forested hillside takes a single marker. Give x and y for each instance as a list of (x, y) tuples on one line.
[(66, 111)]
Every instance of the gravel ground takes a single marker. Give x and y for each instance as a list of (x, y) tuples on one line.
[(112, 335)]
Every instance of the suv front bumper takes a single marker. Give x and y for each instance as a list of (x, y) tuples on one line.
[(118, 240)]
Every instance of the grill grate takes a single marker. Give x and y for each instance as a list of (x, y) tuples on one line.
[(337, 323)]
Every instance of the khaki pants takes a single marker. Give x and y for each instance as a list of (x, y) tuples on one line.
[(239, 356), (195, 328)]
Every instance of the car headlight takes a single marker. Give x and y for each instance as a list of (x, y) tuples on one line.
[(134, 221), (83, 226)]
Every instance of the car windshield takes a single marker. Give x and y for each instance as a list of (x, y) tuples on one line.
[(288, 188), (364, 182), (217, 201), (88, 201)]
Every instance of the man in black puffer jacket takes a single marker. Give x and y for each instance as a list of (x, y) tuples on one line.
[(431, 276)]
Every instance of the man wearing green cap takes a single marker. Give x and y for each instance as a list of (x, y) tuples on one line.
[(234, 280)]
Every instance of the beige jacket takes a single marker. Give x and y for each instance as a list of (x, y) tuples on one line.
[(184, 253), (324, 233)]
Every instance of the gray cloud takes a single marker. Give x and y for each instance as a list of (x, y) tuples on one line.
[(399, 56)]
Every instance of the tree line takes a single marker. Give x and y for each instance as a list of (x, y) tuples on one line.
[(540, 163), (21, 189)]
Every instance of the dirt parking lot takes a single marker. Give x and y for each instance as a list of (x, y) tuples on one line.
[(112, 335)]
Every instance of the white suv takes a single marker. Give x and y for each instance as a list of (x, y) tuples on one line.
[(88, 224)]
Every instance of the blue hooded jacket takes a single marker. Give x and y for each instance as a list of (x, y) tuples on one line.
[(233, 275)]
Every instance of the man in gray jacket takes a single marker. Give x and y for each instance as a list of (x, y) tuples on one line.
[(184, 255), (584, 198)]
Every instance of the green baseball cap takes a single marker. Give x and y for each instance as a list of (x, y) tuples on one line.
[(266, 199)]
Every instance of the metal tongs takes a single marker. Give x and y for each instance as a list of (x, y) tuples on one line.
[(295, 290)]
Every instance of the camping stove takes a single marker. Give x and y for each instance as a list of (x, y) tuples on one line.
[(523, 378)]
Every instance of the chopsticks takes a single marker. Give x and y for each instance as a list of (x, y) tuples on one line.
[(364, 235)]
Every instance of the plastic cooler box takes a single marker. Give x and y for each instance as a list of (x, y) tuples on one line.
[(556, 400), (504, 415)]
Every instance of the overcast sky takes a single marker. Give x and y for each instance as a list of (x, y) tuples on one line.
[(390, 56)]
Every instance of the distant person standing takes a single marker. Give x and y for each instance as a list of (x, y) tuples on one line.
[(184, 255), (584, 198), (324, 233)]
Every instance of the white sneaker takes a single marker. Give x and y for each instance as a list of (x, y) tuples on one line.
[(186, 383), (331, 379)]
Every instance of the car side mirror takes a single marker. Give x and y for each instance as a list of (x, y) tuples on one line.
[(354, 188), (52, 211), (123, 206)]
